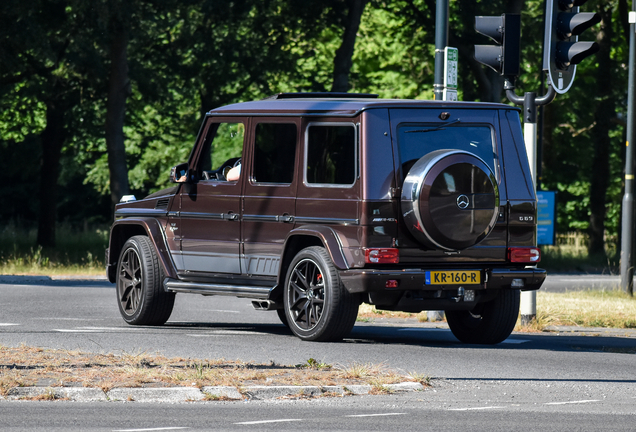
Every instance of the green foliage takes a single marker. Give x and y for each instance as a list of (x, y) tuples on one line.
[(186, 58), (78, 251)]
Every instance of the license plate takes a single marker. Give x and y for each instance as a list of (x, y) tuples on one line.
[(453, 277)]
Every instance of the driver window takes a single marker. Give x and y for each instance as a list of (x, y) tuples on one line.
[(224, 149)]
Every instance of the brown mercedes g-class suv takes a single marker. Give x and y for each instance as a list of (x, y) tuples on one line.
[(310, 204)]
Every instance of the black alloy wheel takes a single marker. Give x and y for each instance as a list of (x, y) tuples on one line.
[(140, 294), (317, 305)]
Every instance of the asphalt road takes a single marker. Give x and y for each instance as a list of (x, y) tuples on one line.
[(556, 381)]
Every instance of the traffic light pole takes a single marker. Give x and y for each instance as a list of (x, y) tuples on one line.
[(627, 241), (441, 40), (530, 102)]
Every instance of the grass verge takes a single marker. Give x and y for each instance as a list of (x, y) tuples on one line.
[(77, 251), (29, 366), (591, 308)]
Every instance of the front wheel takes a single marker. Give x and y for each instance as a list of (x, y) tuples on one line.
[(317, 305), (140, 294), (488, 323)]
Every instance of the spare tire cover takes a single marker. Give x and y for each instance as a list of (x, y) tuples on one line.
[(450, 200)]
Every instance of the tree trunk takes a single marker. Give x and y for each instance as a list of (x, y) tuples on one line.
[(52, 140), (605, 111), (343, 61), (118, 91)]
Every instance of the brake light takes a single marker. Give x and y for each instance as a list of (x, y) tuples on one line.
[(381, 256), (529, 255)]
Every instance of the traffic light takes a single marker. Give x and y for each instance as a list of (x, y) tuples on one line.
[(505, 30), (563, 51)]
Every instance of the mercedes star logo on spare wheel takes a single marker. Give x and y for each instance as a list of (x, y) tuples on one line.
[(463, 202)]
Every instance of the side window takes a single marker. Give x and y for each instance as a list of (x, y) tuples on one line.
[(330, 156), (275, 152), (225, 145)]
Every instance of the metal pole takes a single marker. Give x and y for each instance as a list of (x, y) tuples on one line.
[(627, 243), (528, 306), (441, 41), (530, 102)]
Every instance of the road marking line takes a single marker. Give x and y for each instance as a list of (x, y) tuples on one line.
[(572, 402), (267, 421), (150, 429), (515, 341), (97, 329), (375, 415), (476, 408), (76, 331), (225, 311), (225, 333), (7, 324)]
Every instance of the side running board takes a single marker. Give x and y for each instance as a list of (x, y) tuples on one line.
[(246, 291)]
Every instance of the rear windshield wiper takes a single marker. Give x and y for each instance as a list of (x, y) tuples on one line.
[(440, 127)]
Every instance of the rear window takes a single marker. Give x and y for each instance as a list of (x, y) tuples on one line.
[(330, 155), (418, 139)]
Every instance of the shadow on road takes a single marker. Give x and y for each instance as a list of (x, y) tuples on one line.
[(430, 337)]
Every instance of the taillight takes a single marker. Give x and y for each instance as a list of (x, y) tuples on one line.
[(528, 255), (381, 256)]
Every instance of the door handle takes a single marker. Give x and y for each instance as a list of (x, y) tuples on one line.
[(232, 216), (287, 218)]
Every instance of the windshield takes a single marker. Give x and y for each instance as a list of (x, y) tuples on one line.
[(417, 139)]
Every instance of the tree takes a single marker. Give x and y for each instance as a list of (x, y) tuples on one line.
[(343, 60)]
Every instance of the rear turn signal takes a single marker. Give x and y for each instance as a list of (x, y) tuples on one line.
[(381, 256), (529, 255)]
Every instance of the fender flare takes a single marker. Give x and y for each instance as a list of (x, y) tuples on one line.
[(328, 237), (123, 229)]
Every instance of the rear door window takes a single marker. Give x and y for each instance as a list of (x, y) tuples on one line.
[(274, 153), (330, 155), (418, 139)]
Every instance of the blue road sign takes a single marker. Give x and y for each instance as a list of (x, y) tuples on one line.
[(546, 217)]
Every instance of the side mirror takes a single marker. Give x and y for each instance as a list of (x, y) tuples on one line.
[(180, 173)]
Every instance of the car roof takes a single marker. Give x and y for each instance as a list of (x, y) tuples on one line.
[(338, 106)]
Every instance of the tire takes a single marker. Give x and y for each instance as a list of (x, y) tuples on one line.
[(317, 305), (488, 323), (140, 294), (282, 316)]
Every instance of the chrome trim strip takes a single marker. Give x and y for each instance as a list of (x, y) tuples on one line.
[(260, 218), (269, 218), (256, 292), (333, 221), (212, 216), (130, 212)]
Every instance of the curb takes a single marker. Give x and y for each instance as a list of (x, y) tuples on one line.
[(193, 394)]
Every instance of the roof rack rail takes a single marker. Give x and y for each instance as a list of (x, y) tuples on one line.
[(332, 95)]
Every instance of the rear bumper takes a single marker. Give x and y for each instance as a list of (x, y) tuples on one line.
[(373, 280)]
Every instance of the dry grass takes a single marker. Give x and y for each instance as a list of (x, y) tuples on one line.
[(29, 366), (597, 308), (367, 313)]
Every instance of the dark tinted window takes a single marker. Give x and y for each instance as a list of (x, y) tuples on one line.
[(331, 154), (416, 140), (275, 152)]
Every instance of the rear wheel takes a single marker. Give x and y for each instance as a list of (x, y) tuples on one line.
[(488, 323), (317, 305), (140, 294)]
